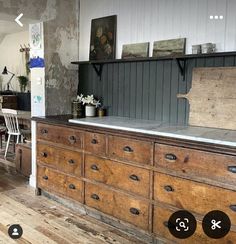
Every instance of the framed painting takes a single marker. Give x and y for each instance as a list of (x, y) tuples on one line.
[(136, 50), (103, 38), (170, 47)]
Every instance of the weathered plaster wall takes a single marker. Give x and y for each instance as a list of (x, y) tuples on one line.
[(61, 46)]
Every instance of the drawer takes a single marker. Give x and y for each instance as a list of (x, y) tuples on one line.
[(130, 149), (56, 182), (63, 160), (118, 205), (160, 219), (62, 135), (194, 162), (95, 143), (125, 177), (194, 196)]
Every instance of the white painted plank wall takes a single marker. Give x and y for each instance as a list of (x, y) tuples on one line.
[(151, 20)]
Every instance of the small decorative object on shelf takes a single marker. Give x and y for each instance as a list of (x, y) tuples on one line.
[(23, 80), (208, 48), (196, 49), (101, 111), (78, 107), (90, 105), (136, 50)]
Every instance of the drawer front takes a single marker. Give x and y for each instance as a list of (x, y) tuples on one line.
[(193, 196), (64, 160), (118, 205), (194, 162), (62, 135), (130, 149), (53, 181), (95, 143), (125, 177), (160, 219)]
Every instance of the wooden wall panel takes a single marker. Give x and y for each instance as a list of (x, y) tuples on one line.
[(145, 90)]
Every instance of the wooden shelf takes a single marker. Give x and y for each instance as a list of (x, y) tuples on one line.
[(181, 57), (180, 60)]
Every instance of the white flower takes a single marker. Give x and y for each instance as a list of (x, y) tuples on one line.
[(80, 98), (90, 100)]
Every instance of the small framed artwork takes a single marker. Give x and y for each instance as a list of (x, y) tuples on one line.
[(103, 38), (36, 36), (170, 47), (137, 50)]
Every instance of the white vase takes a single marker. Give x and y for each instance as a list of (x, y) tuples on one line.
[(90, 111)]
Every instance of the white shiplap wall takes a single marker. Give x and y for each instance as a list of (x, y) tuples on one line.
[(151, 20)]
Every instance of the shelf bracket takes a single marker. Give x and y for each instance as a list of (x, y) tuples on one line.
[(182, 66), (98, 70)]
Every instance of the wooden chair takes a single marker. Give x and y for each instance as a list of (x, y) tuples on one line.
[(12, 126)]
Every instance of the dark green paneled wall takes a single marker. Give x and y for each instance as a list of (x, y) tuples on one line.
[(145, 90)]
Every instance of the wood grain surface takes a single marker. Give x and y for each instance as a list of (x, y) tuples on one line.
[(212, 97)]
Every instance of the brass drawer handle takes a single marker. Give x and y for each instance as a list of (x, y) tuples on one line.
[(134, 211), (232, 169), (165, 223), (72, 139), (170, 156), (134, 177), (169, 188), (71, 161), (72, 186), (44, 131), (233, 207), (94, 141), (94, 167), (45, 177), (95, 197), (128, 149), (43, 154)]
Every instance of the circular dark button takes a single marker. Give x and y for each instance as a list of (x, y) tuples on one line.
[(15, 231), (216, 224), (182, 224)]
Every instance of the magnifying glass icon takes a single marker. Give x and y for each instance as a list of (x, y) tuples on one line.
[(182, 224)]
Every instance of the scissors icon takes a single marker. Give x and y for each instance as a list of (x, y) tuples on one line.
[(215, 224)]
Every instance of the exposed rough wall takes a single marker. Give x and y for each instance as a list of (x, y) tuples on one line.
[(61, 46)]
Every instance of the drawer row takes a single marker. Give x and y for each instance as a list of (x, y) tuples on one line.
[(125, 207)]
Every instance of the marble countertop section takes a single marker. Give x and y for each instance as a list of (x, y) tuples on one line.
[(151, 127)]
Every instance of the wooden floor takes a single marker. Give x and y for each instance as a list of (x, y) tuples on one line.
[(46, 221)]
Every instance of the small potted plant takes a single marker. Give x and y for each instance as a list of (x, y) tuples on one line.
[(23, 80), (91, 105)]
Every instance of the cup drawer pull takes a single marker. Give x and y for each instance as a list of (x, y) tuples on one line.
[(232, 169), (95, 197), (169, 188), (94, 167), (134, 211), (72, 139), (170, 156), (128, 149), (233, 207), (45, 177), (94, 141), (71, 161), (43, 154), (134, 177), (44, 131), (72, 186)]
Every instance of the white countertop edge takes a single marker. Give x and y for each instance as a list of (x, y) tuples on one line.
[(151, 132)]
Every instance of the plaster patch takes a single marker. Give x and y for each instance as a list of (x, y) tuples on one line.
[(50, 12)]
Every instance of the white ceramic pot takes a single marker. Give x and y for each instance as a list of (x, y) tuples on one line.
[(90, 111)]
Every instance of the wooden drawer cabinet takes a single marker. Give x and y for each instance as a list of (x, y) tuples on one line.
[(119, 175), (61, 159), (62, 135), (54, 181), (193, 196), (23, 158), (95, 143), (118, 205), (130, 149), (194, 162), (160, 220)]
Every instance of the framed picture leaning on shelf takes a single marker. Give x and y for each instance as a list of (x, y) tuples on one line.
[(103, 38)]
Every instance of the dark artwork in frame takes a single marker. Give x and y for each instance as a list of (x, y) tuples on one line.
[(103, 38)]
